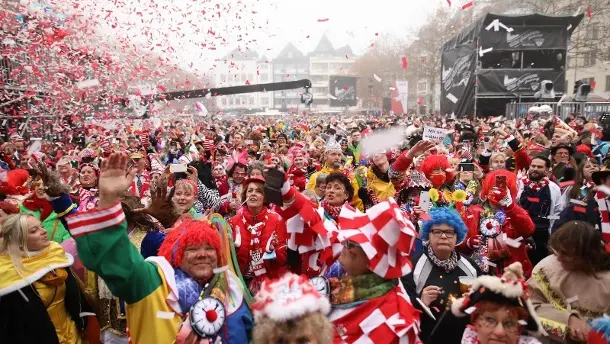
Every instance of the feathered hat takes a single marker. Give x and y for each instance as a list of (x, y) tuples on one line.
[(288, 298), (511, 290)]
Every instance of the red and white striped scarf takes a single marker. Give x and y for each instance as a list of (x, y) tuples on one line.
[(604, 213), (535, 186)]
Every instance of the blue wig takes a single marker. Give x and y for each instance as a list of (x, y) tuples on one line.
[(442, 215)]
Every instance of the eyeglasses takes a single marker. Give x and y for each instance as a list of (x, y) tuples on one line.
[(490, 322), (439, 233)]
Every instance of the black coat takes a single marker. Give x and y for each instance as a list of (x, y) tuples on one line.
[(452, 328), (577, 212), (26, 322)]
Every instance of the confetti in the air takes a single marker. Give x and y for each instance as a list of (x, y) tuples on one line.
[(377, 78), (323, 20), (467, 5), (589, 14)]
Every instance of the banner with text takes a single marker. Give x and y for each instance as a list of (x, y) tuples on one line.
[(512, 82), (526, 38), (342, 90)]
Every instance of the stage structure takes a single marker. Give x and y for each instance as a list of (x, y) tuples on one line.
[(500, 58)]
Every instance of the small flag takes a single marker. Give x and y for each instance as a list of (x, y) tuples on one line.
[(405, 63), (467, 5), (589, 14)]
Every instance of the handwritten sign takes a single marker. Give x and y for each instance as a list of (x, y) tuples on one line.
[(432, 133)]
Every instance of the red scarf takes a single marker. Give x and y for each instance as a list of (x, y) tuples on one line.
[(604, 215), (332, 211), (535, 186), (37, 204)]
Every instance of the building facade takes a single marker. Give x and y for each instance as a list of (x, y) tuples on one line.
[(242, 68), (324, 62), (290, 65)]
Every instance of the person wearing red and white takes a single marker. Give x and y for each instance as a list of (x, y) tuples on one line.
[(369, 304), (297, 171), (542, 199), (140, 186), (495, 223), (259, 235), (291, 310)]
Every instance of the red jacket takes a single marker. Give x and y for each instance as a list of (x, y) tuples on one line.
[(247, 244), (297, 177), (518, 224)]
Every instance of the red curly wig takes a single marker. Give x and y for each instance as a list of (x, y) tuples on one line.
[(189, 233), (433, 162), (490, 181)]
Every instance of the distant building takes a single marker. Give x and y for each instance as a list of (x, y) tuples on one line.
[(290, 65), (240, 68), (325, 61)]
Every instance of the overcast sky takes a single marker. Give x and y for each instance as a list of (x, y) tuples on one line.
[(191, 33)]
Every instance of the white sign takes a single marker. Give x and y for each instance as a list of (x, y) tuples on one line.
[(432, 133)]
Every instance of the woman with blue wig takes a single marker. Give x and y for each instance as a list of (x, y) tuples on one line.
[(436, 275)]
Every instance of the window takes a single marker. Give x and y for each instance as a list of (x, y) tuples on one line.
[(607, 83), (231, 101), (223, 78), (289, 55), (251, 78), (593, 31), (251, 100), (236, 78), (264, 66), (264, 77), (265, 101), (243, 78), (224, 101), (590, 58), (422, 86)]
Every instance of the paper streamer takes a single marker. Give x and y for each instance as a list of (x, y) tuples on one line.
[(452, 98), (88, 83)]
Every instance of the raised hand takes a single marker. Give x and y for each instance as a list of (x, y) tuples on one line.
[(52, 185), (115, 179), (161, 207), (420, 148)]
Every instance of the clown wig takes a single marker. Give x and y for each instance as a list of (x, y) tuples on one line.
[(442, 215), (188, 233), (490, 181), (434, 162)]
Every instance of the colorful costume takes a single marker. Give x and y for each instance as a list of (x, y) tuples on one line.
[(361, 304), (53, 311), (253, 236), (152, 289), (497, 227)]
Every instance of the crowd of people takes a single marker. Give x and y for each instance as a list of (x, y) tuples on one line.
[(309, 230)]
